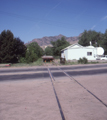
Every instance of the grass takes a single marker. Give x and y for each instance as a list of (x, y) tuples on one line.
[(71, 63), (89, 62), (76, 62), (39, 62), (92, 62)]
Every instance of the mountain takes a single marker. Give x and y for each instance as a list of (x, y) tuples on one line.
[(46, 41)]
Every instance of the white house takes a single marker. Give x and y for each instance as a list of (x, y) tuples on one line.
[(77, 51)]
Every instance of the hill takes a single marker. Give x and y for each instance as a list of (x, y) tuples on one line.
[(46, 41)]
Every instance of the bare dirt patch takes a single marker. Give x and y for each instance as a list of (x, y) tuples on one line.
[(28, 100), (77, 103)]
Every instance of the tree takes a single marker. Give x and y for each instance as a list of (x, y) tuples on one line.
[(34, 51), (36, 48), (104, 43), (93, 36), (31, 56), (10, 48), (48, 51), (59, 45), (19, 48)]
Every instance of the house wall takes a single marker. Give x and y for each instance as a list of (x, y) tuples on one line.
[(64, 54), (76, 53)]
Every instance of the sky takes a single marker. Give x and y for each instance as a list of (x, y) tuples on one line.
[(30, 19)]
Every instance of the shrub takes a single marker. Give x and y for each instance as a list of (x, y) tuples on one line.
[(22, 60), (80, 60), (39, 62), (83, 60)]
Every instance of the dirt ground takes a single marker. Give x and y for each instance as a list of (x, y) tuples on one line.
[(35, 99), (77, 103), (28, 100)]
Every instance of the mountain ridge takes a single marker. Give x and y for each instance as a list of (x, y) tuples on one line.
[(46, 41)]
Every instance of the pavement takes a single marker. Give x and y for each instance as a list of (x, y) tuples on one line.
[(83, 96)]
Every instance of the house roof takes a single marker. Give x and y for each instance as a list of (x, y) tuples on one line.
[(76, 45), (90, 46)]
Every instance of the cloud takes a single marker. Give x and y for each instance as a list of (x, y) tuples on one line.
[(104, 18), (52, 9), (79, 15), (93, 27), (36, 25), (101, 20)]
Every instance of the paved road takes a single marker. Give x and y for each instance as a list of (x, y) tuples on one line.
[(35, 73), (82, 67), (22, 70), (45, 69)]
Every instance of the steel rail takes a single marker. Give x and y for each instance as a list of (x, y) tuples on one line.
[(57, 99), (71, 78)]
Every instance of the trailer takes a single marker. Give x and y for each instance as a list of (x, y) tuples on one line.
[(47, 58)]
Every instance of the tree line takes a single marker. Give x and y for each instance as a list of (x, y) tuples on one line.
[(97, 39), (13, 50)]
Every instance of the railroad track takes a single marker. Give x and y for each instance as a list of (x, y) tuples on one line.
[(55, 92), (71, 78)]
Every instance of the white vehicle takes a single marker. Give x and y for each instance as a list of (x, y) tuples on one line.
[(104, 57)]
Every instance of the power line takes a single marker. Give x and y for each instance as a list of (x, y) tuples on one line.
[(45, 21)]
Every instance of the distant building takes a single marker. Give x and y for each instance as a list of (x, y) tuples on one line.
[(76, 51)]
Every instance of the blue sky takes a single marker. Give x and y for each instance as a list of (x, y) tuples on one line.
[(29, 19)]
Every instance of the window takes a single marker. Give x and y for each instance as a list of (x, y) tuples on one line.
[(89, 53)]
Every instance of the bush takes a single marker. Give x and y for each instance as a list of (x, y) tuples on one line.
[(39, 62), (33, 53), (22, 60), (80, 60), (83, 60), (31, 57)]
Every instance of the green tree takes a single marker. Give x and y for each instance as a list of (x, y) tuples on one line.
[(19, 48), (34, 51), (31, 56), (10, 48), (48, 51), (93, 36), (59, 45), (104, 43)]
